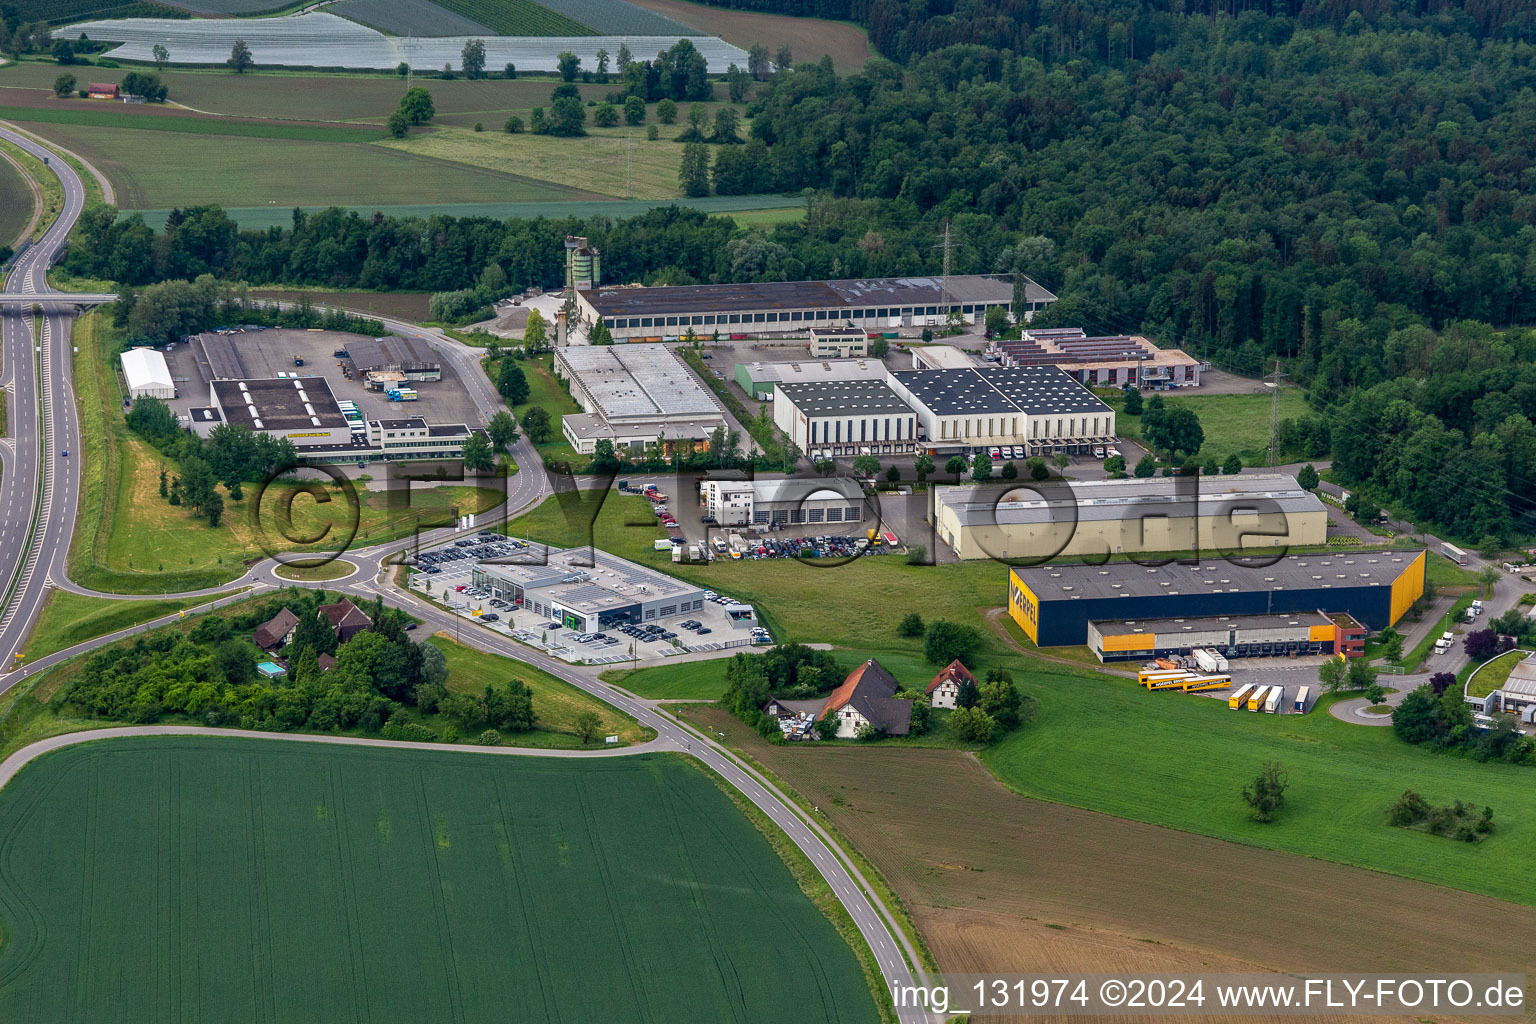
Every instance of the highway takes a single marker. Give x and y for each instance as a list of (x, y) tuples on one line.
[(39, 496), (40, 488)]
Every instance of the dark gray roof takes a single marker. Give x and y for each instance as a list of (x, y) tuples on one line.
[(392, 353), (406, 423), (1113, 627), (772, 295), (829, 398), (279, 403), (1034, 390), (1215, 576)]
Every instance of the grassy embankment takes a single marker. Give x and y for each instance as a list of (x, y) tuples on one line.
[(130, 540), (53, 191), (68, 619), (1483, 680)]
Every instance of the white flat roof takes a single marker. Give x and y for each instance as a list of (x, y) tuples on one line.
[(629, 381), (145, 368)]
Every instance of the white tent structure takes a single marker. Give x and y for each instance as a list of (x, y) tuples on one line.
[(147, 375)]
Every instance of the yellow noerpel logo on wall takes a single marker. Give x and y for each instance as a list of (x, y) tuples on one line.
[(1023, 607)]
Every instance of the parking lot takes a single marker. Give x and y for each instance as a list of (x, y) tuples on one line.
[(267, 353), (444, 574)]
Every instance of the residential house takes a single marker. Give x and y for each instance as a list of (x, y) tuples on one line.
[(326, 662), (277, 631), (101, 91), (346, 619), (944, 691), (868, 697)]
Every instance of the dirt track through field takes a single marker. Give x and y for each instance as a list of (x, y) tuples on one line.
[(984, 871)]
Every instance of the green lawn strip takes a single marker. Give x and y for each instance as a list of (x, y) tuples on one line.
[(556, 703), (815, 887), (1492, 674), (53, 189), (334, 569), (106, 117), (1186, 758), (69, 618), (623, 525), (876, 880), (552, 863), (1232, 423)]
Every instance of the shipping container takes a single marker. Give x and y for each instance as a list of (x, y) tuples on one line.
[(1272, 702), (1195, 684), (1300, 707), (1257, 697), (1238, 699)]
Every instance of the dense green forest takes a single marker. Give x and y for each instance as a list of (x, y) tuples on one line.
[(1348, 194)]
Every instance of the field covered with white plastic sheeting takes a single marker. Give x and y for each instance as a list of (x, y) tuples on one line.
[(320, 40)]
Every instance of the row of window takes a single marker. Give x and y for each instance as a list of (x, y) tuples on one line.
[(832, 430), (1009, 425), (874, 449), (837, 514), (452, 442), (792, 317)]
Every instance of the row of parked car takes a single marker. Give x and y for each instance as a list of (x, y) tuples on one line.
[(481, 547), (810, 547)]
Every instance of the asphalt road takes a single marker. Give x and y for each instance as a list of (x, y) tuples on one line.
[(40, 488), (39, 494)]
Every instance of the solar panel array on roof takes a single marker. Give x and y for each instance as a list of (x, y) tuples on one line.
[(771, 295), (1033, 390)]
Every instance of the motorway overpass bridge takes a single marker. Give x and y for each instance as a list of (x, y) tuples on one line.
[(57, 298)]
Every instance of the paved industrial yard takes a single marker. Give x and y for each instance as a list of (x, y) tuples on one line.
[(271, 352)]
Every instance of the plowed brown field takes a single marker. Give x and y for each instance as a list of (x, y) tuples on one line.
[(986, 873)]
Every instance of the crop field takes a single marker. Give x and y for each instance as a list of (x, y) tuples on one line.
[(809, 39), (60, 11), (316, 39), (407, 17), (16, 203), (519, 18), (267, 880), (600, 162), (614, 17), (318, 97), (1027, 882), (150, 171), (217, 8), (405, 305), (153, 119)]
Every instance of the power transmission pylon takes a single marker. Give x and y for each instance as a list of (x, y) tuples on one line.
[(1274, 414)]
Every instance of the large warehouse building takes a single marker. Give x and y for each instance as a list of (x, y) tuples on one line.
[(759, 379), (301, 409), (851, 417), (586, 598), (1040, 408), (1054, 604), (1133, 515), (146, 374), (633, 394), (794, 307)]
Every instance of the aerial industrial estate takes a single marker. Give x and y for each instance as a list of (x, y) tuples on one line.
[(921, 495)]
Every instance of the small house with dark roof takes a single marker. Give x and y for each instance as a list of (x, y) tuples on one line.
[(326, 662), (868, 697), (345, 619), (944, 690), (276, 631)]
